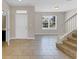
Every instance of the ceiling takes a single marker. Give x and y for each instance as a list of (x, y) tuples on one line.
[(46, 5)]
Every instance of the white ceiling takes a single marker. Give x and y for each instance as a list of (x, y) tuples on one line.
[(46, 5)]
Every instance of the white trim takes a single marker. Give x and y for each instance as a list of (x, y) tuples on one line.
[(23, 38), (8, 26), (46, 33), (49, 28)]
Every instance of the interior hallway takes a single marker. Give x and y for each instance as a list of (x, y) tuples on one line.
[(42, 47)]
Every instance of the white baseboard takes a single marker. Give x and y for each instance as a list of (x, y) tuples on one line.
[(46, 33), (23, 38)]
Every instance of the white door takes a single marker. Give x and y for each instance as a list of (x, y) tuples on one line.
[(21, 25)]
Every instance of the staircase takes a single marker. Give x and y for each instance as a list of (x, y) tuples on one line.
[(69, 44)]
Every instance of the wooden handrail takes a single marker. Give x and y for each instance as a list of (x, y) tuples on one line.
[(70, 17)]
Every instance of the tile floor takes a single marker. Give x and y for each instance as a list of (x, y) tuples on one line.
[(42, 47)]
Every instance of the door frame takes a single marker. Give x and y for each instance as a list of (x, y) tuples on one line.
[(7, 29)]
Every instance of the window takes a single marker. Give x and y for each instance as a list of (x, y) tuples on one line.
[(49, 22), (21, 11)]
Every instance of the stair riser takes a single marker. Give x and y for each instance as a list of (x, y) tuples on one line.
[(73, 41), (72, 38), (67, 52), (74, 34), (70, 46)]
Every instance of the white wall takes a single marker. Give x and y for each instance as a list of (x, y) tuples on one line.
[(5, 6), (34, 21), (70, 20), (31, 18), (60, 21)]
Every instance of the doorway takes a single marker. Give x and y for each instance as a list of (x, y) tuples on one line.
[(3, 28), (21, 30)]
